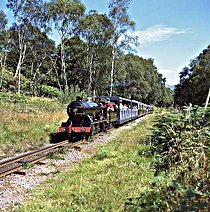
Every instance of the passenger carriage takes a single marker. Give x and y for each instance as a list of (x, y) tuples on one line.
[(133, 109), (86, 118)]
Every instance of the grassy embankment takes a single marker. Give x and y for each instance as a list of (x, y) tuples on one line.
[(167, 171), (117, 172), (25, 123)]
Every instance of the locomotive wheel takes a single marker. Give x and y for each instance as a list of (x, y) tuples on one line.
[(87, 136), (81, 136), (58, 137), (102, 127)]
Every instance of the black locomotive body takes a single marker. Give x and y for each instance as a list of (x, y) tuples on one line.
[(86, 118)]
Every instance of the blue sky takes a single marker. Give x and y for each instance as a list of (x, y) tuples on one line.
[(172, 32)]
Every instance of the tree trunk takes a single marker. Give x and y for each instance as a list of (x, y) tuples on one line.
[(112, 72), (22, 51), (31, 80), (1, 77), (3, 64), (207, 99), (63, 64), (56, 72), (90, 73), (20, 62), (19, 82), (18, 66)]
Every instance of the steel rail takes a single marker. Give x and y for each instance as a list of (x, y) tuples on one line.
[(29, 154), (15, 164)]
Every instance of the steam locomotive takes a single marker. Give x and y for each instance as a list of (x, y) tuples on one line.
[(87, 118)]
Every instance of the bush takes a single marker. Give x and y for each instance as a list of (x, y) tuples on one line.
[(44, 104), (7, 78), (103, 153), (49, 91), (180, 144), (13, 98), (73, 93), (177, 135), (170, 197)]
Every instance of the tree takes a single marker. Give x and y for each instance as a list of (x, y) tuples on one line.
[(166, 99), (118, 15), (3, 21), (194, 88), (3, 44), (65, 14), (138, 78), (40, 58), (95, 30), (26, 12), (184, 73)]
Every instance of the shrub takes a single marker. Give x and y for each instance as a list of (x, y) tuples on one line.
[(13, 98), (180, 143), (103, 153), (46, 104), (49, 91), (170, 197), (176, 136), (73, 93), (7, 78)]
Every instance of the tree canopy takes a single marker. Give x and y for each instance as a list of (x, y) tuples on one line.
[(194, 81), (91, 48)]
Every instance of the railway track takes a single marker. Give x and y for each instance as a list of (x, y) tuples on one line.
[(15, 164)]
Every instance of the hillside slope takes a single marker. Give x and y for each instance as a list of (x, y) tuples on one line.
[(25, 123)]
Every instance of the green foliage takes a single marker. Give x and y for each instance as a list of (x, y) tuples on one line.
[(180, 144), (194, 81), (81, 62), (44, 104), (13, 98), (65, 98), (49, 91), (137, 78), (3, 20), (170, 197), (166, 97), (177, 135), (55, 156), (6, 78), (65, 15), (96, 30), (27, 166), (103, 153)]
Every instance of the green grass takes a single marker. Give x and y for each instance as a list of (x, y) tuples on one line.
[(115, 173), (25, 123)]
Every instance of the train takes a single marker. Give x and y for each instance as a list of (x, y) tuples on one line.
[(87, 118)]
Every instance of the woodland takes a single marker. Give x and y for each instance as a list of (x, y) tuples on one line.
[(95, 54)]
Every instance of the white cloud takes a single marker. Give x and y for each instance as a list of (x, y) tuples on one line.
[(158, 33), (172, 76)]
